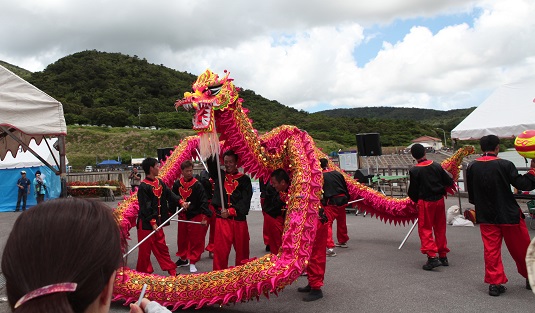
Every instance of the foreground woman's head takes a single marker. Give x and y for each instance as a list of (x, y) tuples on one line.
[(69, 244)]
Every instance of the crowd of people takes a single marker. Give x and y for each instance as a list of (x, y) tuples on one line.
[(219, 200)]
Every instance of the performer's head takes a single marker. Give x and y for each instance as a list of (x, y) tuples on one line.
[(489, 143), (65, 241), (150, 166), (324, 163), (187, 169), (417, 151), (230, 160), (280, 180)]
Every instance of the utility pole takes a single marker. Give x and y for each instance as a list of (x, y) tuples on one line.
[(445, 142), (139, 115)]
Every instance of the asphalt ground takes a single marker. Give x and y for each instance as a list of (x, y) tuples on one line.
[(372, 274)]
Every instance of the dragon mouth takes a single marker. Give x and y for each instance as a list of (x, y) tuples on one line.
[(203, 118)]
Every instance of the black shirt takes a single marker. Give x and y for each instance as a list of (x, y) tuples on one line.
[(488, 181)]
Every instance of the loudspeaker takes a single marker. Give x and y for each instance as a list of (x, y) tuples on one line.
[(362, 175), (369, 144), (163, 153)]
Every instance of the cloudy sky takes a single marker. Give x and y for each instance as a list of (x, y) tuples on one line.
[(311, 55)]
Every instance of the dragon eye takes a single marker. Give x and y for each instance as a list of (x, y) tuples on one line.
[(215, 90)]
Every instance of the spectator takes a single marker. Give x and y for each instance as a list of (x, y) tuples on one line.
[(55, 261), (39, 184), (23, 184)]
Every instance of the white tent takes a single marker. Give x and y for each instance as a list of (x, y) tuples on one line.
[(506, 113), (25, 113), (25, 159)]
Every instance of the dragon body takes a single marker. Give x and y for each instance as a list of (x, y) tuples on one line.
[(218, 109)]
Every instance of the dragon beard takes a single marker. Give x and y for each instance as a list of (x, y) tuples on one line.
[(208, 144)]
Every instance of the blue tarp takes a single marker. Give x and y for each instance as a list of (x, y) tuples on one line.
[(109, 162), (9, 189)]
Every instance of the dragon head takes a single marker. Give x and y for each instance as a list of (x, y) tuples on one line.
[(209, 93)]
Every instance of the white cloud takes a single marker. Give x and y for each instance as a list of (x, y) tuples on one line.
[(299, 53)]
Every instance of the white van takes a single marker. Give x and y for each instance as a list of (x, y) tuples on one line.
[(89, 168)]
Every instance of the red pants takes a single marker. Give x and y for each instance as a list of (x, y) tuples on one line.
[(211, 223), (337, 213), (190, 239), (432, 220), (156, 244), (230, 233), (318, 258), (275, 226), (517, 240)]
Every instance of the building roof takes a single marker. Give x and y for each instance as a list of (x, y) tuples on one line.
[(426, 138)]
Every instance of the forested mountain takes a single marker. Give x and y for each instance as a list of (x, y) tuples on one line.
[(444, 119), (120, 90)]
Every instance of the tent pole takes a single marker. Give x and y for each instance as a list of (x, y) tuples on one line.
[(62, 166)]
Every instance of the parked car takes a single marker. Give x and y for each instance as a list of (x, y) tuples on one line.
[(89, 168)]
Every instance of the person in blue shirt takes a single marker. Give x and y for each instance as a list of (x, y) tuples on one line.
[(23, 185), (39, 185)]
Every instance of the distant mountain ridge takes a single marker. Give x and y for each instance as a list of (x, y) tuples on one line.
[(396, 113)]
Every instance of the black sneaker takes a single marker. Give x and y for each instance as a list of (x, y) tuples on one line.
[(307, 288), (431, 263), (313, 295), (496, 290), (182, 263), (528, 286), (444, 261), (267, 248)]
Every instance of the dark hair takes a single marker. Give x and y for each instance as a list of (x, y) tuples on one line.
[(38, 172), (280, 175), (417, 151), (324, 163), (61, 241), (489, 143), (147, 164), (186, 164), (231, 153)]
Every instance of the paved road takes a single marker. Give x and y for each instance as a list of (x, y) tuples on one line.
[(372, 275)]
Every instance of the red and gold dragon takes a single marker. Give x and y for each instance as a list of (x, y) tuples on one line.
[(219, 108)]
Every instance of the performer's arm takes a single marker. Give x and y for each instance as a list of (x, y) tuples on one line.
[(414, 187), (146, 212), (173, 199), (522, 182), (470, 184)]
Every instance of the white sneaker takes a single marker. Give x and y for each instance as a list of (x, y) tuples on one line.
[(192, 268), (330, 252)]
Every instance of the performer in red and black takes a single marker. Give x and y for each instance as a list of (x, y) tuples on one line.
[(231, 222), (208, 184), (154, 198), (488, 181), (191, 237), (275, 205), (335, 198), (428, 183)]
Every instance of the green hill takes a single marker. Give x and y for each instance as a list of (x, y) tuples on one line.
[(17, 70), (113, 89)]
